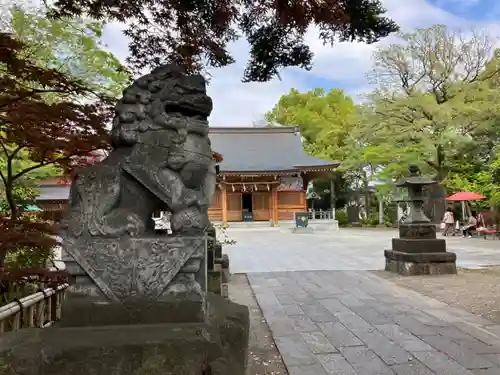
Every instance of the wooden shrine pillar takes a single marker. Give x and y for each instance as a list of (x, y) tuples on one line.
[(224, 203), (274, 199)]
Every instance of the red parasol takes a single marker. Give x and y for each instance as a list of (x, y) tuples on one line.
[(465, 196)]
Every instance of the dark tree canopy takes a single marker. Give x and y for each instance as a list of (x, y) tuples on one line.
[(43, 114), (196, 33)]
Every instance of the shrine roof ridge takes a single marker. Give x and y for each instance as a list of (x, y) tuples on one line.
[(272, 149), (253, 130)]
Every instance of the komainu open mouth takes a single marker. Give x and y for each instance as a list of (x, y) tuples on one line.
[(184, 111)]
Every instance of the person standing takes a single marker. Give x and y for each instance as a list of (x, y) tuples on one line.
[(449, 222)]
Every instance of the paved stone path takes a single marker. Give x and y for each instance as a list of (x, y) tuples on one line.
[(355, 323), (270, 250)]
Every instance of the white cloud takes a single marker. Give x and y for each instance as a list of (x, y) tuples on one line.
[(239, 104)]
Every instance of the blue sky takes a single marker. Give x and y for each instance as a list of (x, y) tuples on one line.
[(471, 9), (342, 66)]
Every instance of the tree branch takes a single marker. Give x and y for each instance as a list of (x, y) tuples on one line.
[(3, 178), (39, 165), (14, 153), (31, 93)]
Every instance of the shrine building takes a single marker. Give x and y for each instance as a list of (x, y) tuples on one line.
[(263, 176)]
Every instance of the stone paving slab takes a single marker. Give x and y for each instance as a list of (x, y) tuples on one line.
[(356, 323), (261, 250)]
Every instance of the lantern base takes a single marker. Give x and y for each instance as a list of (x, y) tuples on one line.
[(418, 245), (412, 264), (419, 231)]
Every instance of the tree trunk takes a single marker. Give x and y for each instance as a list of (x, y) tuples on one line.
[(367, 196), (14, 213), (380, 210), (332, 195)]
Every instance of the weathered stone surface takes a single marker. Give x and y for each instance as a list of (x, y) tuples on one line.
[(408, 264), (128, 268), (417, 251), (413, 269), (420, 230), (418, 245), (420, 257), (80, 312), (219, 346), (215, 280), (161, 161)]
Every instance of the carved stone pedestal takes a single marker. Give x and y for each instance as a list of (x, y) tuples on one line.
[(419, 252), (122, 269), (137, 344)]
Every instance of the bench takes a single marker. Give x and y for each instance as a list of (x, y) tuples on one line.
[(485, 232)]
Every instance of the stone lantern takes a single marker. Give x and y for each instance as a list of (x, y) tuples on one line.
[(417, 251)]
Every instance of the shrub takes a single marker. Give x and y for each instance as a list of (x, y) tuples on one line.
[(341, 217), (371, 221)]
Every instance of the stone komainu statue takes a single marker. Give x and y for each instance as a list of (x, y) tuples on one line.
[(161, 160), (138, 286)]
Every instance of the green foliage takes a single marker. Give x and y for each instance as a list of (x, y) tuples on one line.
[(485, 182), (372, 220), (222, 236), (57, 88), (322, 117), (73, 47), (329, 122), (25, 257), (341, 217), (22, 195), (435, 105)]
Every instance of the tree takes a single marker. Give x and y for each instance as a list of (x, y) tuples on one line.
[(64, 48), (435, 100), (329, 123), (435, 104), (322, 117), (73, 47), (43, 114), (195, 34)]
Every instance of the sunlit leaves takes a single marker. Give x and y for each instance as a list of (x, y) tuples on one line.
[(436, 103), (323, 119), (73, 47)]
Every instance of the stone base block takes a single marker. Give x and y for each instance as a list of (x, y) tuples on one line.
[(215, 280), (417, 245), (218, 346), (302, 230), (84, 311), (417, 230), (411, 264)]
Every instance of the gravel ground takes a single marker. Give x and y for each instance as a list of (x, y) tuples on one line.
[(263, 356), (477, 291)]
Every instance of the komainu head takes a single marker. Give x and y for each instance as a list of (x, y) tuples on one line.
[(166, 98)]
